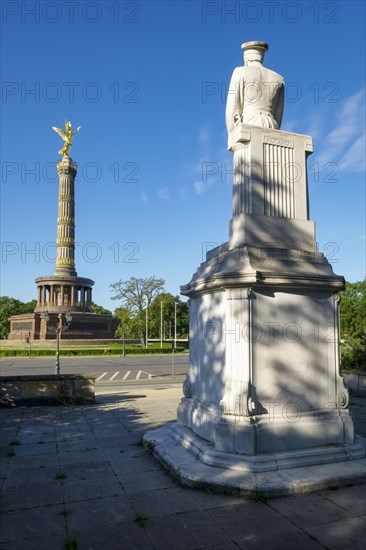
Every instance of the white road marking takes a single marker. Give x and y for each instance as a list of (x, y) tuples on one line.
[(139, 375), (149, 376)]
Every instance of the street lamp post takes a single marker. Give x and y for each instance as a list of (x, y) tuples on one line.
[(147, 323), (175, 323), (58, 329)]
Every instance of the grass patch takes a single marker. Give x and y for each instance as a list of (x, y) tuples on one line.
[(140, 519), (60, 476), (65, 512), (14, 442), (11, 453), (257, 495), (71, 543), (149, 446)]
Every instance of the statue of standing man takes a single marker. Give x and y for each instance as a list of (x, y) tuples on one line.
[(256, 94)]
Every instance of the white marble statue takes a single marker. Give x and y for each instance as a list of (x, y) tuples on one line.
[(256, 94), (263, 392)]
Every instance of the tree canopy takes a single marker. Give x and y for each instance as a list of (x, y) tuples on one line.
[(353, 325), (100, 309), (136, 293), (143, 299), (11, 306)]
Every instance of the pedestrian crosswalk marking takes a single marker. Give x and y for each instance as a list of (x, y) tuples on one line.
[(119, 376), (149, 375)]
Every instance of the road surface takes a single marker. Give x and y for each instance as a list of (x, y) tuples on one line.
[(110, 371)]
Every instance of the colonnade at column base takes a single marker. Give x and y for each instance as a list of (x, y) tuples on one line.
[(60, 294)]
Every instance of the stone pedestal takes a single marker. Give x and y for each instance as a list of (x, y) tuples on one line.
[(84, 326), (263, 390)]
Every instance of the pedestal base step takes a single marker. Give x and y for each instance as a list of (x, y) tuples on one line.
[(268, 474)]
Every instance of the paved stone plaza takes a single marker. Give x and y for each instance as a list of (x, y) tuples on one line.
[(82, 472)]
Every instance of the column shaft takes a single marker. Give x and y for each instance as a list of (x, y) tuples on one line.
[(65, 259)]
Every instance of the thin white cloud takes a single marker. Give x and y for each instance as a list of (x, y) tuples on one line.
[(211, 167), (201, 186), (345, 143), (354, 159), (204, 136), (291, 125), (144, 196), (183, 193), (164, 193)]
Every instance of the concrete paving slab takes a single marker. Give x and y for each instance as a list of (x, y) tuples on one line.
[(124, 535), (206, 500), (163, 502), (226, 546), (255, 525), (54, 541), (78, 471), (36, 449), (72, 457), (29, 523), (32, 475), (349, 498), (186, 531), (308, 510), (32, 461), (19, 496), (78, 444), (125, 465), (115, 454), (89, 489), (338, 535), (109, 441), (144, 481), (122, 439), (100, 512)]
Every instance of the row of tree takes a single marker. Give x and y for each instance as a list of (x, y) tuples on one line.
[(146, 305), (148, 311)]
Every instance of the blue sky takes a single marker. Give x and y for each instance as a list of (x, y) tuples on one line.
[(146, 81)]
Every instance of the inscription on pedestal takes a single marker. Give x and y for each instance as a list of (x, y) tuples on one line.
[(279, 142)]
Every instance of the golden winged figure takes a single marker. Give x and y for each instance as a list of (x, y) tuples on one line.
[(67, 136)]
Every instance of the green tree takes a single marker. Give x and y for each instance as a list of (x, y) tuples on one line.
[(11, 306), (163, 309), (100, 309), (353, 325), (129, 324), (135, 295)]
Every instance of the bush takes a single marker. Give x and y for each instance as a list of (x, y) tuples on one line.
[(87, 351)]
